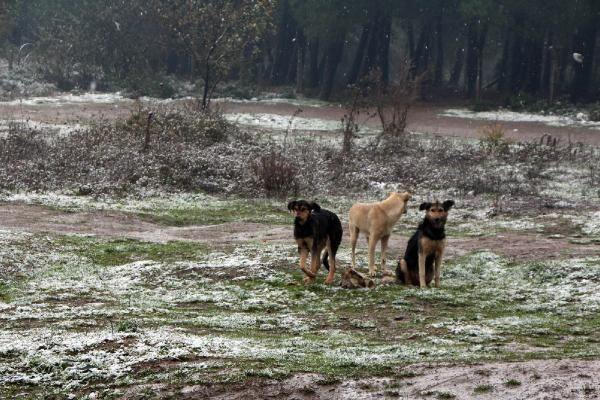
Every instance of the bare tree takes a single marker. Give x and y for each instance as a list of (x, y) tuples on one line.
[(394, 100), (214, 32)]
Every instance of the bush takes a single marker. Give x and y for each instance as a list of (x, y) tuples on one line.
[(187, 151), (276, 174), (493, 139), (202, 152), (151, 86)]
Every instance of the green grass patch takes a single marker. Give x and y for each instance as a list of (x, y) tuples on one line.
[(512, 383), (222, 212), (483, 389), (5, 293), (117, 252)]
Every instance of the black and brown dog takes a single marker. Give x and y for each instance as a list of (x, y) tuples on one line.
[(423, 257), (316, 229)]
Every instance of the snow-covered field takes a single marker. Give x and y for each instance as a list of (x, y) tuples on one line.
[(89, 317)]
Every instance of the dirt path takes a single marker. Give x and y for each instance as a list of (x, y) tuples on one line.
[(427, 118), (116, 225), (424, 118), (530, 380)]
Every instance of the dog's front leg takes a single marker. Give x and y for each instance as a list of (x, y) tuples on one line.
[(422, 280), (303, 256), (354, 232), (372, 245), (315, 262), (438, 268), (384, 245)]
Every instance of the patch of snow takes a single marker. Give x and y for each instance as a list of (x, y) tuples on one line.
[(512, 116), (283, 123), (47, 129), (69, 98)]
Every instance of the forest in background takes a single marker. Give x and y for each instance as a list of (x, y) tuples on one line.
[(476, 49)]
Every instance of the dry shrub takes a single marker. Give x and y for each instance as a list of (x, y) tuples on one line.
[(494, 139), (187, 152), (276, 174), (394, 99)]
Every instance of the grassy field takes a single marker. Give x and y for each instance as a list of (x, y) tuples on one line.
[(86, 316), (118, 281)]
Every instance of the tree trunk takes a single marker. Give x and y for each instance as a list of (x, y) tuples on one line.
[(301, 47), (292, 62), (313, 53), (553, 70), (372, 47), (515, 77), (410, 37), (476, 36), (479, 78), (422, 52), (246, 66), (471, 61), (333, 57), (207, 78), (543, 83), (283, 49), (502, 68), (384, 48), (360, 54), (459, 61), (438, 73)]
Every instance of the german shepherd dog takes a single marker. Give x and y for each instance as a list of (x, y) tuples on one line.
[(316, 229), (423, 257), (376, 221)]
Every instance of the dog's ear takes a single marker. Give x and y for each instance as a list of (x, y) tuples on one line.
[(292, 205), (405, 196), (314, 206), (424, 206), (448, 204)]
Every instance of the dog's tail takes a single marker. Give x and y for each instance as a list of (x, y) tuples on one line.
[(325, 260)]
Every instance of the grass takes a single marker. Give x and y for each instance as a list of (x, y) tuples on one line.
[(117, 252), (220, 212), (512, 383), (4, 293), (137, 311), (483, 389)]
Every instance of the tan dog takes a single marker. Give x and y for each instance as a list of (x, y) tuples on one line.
[(376, 220)]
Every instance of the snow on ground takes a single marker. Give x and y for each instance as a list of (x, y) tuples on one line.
[(283, 123), (49, 335), (70, 98), (272, 99), (580, 120), (67, 343), (52, 130)]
